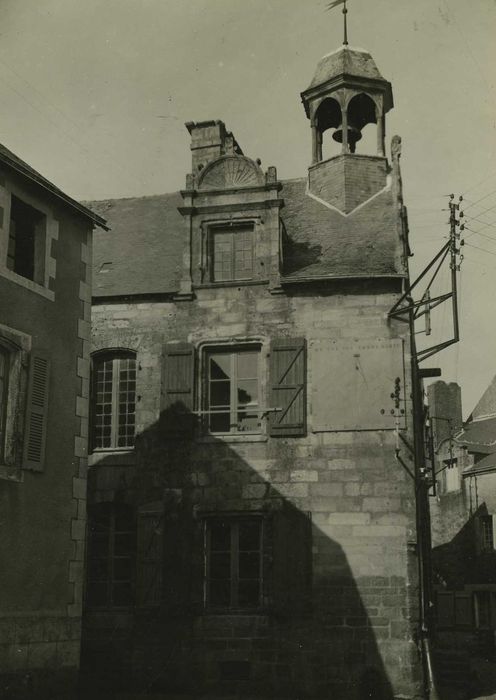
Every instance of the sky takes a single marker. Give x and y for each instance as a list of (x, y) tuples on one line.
[(95, 94)]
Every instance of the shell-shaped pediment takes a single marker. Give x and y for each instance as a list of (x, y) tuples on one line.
[(231, 172)]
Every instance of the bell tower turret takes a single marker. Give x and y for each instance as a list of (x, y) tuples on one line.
[(347, 93)]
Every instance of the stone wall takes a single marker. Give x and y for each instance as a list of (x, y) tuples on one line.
[(347, 629)]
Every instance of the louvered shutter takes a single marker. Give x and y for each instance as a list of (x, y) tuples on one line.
[(150, 555), (36, 412), (292, 561), (288, 387), (177, 389)]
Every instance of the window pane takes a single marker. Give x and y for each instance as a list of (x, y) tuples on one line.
[(223, 256), (247, 392), (220, 565), (220, 593), (248, 422), (249, 535), (249, 594), (220, 537), (220, 394), (127, 398), (122, 594), (247, 365), (220, 366), (243, 254), (123, 569), (97, 593), (249, 565), (220, 422)]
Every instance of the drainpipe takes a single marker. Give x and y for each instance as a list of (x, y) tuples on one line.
[(422, 521)]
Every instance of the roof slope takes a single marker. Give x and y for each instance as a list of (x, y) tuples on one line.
[(479, 435), (486, 405), (142, 253), (12, 161), (346, 61), (322, 242)]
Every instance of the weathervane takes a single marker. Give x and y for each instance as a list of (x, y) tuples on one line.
[(345, 19)]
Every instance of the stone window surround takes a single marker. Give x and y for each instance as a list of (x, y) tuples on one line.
[(51, 233), (18, 345), (96, 454), (206, 256), (202, 350), (233, 518)]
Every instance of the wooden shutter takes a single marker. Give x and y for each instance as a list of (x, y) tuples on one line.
[(288, 387), (36, 412), (150, 555), (292, 561), (178, 389)]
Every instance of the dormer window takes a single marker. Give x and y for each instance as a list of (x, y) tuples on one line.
[(231, 253)]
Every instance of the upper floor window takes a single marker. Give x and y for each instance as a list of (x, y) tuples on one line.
[(26, 244), (4, 387), (111, 555), (233, 389), (114, 400), (486, 533), (234, 563), (232, 252)]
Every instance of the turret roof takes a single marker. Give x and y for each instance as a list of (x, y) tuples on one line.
[(346, 61)]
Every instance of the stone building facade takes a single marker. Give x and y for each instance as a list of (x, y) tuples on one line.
[(250, 529), (464, 520), (45, 308)]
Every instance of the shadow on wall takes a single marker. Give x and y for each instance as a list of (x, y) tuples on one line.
[(237, 591), (460, 561)]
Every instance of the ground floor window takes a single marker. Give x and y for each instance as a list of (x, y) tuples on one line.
[(111, 559), (234, 572)]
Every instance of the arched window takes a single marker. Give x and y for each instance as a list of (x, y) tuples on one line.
[(111, 559), (4, 388), (113, 415)]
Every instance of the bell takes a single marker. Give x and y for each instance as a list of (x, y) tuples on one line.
[(354, 135)]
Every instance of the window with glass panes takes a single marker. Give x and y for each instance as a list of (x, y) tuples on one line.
[(4, 376), (234, 561), (111, 556), (233, 391), (486, 532), (114, 401), (232, 253)]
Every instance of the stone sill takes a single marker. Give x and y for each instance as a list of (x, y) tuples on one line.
[(27, 284), (230, 283), (249, 437), (112, 457)]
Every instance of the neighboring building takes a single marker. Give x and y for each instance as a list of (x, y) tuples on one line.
[(464, 519), (250, 529), (45, 304)]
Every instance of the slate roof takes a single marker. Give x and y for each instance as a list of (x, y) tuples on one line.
[(486, 464), (345, 61), (10, 159), (486, 405), (479, 435), (142, 252)]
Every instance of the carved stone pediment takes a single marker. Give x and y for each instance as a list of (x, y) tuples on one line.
[(231, 172)]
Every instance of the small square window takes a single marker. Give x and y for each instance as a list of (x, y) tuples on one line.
[(231, 253), (233, 390), (234, 563), (26, 244)]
